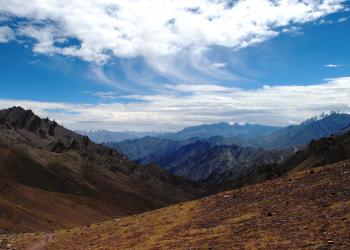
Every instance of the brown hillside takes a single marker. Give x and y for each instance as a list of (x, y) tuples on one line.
[(51, 177), (305, 210)]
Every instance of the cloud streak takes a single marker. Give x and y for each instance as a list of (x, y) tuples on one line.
[(333, 65), (186, 105)]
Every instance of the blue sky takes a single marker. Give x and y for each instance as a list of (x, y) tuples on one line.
[(168, 74)]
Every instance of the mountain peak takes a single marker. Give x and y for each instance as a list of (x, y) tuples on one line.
[(20, 118), (325, 115)]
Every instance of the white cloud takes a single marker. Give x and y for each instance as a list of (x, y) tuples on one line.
[(190, 105), (342, 19), (107, 95), (333, 65), (6, 34), (293, 30), (158, 28), (219, 65)]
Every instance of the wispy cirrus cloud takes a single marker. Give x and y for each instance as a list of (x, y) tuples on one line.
[(331, 65), (159, 30), (185, 105), (105, 95)]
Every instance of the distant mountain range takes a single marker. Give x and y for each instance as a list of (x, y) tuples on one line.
[(102, 136), (222, 151), (313, 128), (201, 161), (222, 129)]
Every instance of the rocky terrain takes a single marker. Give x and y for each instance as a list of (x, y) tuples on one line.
[(51, 177), (303, 210)]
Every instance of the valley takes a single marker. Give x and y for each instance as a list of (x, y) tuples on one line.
[(59, 190), (222, 152), (175, 125)]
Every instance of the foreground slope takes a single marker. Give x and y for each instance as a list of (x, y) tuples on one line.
[(305, 210), (51, 177)]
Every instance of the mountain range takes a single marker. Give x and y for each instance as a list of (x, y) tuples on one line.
[(200, 161), (222, 129), (321, 152), (254, 135), (60, 186), (102, 136), (218, 158), (313, 128), (52, 177)]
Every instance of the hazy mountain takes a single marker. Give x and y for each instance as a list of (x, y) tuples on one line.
[(43, 164), (201, 161), (222, 129), (257, 136), (103, 136), (314, 128), (226, 130), (153, 146)]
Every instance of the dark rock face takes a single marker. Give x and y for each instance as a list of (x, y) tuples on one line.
[(20, 118), (73, 144), (51, 128), (58, 147)]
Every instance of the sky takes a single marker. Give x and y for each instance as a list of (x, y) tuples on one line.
[(163, 65)]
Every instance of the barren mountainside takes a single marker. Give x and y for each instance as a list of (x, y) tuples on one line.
[(42, 161), (304, 210)]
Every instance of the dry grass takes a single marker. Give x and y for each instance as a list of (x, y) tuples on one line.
[(301, 211)]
